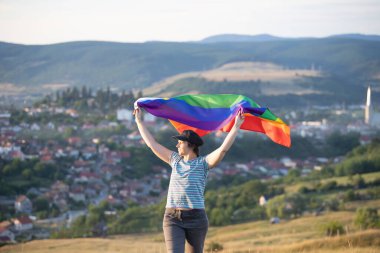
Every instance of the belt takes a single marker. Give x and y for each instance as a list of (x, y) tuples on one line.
[(177, 212)]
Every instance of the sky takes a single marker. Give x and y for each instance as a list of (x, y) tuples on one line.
[(54, 21)]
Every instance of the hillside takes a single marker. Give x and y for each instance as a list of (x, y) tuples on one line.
[(273, 79), (299, 235), (350, 64)]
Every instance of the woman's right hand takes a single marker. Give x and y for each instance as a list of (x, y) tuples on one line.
[(239, 119), (137, 113)]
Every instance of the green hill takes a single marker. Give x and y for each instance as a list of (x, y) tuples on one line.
[(349, 64)]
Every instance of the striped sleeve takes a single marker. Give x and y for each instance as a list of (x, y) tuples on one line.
[(174, 158), (204, 163)]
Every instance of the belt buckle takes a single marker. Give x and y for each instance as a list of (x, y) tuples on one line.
[(178, 213)]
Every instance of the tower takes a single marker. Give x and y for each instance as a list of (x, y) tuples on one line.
[(368, 108)]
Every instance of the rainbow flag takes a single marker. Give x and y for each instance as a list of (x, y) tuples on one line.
[(206, 113)]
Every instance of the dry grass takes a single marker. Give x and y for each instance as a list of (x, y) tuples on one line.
[(299, 235), (55, 86), (281, 80), (246, 71), (9, 89)]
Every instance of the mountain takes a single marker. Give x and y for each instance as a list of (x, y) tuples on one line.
[(348, 64), (357, 36), (268, 37), (240, 38)]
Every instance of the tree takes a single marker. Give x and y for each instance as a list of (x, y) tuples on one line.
[(339, 144), (219, 217), (367, 217), (358, 182), (40, 204), (333, 228), (285, 206), (27, 173)]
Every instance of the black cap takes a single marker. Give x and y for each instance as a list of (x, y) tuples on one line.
[(189, 136)]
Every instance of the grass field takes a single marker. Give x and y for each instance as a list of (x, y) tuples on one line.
[(298, 235), (368, 177), (277, 79)]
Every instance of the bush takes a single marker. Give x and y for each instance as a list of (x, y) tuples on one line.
[(333, 228), (286, 206), (304, 190), (351, 195), (359, 182), (329, 186), (332, 205), (367, 218), (215, 247)]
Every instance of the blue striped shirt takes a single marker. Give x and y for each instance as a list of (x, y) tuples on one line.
[(187, 182)]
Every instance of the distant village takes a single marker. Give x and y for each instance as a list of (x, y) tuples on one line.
[(93, 176)]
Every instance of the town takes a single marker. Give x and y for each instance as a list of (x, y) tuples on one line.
[(93, 162)]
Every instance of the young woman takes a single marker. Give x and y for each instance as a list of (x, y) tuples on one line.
[(185, 218)]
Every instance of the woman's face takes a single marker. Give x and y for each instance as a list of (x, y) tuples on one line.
[(183, 147)]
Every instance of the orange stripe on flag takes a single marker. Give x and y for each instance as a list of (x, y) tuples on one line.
[(276, 131)]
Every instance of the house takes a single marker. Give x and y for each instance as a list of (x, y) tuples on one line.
[(262, 201), (87, 126), (47, 158), (77, 195), (61, 203), (76, 141), (23, 223), (124, 114), (81, 163), (23, 204), (89, 152), (33, 191), (16, 154), (60, 186), (110, 170), (5, 118), (116, 156), (72, 112), (87, 177), (60, 153), (6, 235), (288, 162), (50, 125), (135, 136), (35, 127)]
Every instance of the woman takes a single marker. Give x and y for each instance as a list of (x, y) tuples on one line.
[(185, 217)]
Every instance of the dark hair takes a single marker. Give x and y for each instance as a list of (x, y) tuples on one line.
[(195, 148)]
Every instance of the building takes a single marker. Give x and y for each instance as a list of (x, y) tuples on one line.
[(262, 201), (23, 223), (371, 117), (23, 204), (124, 114), (6, 235), (5, 119)]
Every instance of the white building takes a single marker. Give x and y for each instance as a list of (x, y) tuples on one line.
[(23, 223), (124, 114), (371, 117), (262, 201), (23, 204)]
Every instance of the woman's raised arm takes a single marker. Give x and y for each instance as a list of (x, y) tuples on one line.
[(160, 151), (217, 155)]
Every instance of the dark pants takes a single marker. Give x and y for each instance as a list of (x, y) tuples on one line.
[(180, 225)]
